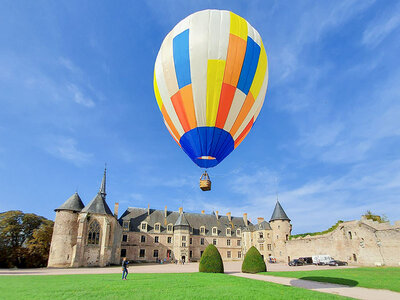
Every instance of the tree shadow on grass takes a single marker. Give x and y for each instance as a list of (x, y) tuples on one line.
[(335, 280)]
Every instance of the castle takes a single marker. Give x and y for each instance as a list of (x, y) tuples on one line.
[(92, 235)]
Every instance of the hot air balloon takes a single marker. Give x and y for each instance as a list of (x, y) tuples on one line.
[(210, 80)]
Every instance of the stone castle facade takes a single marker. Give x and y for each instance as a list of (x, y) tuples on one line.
[(92, 235)]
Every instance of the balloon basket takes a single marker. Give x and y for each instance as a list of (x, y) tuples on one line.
[(205, 182)]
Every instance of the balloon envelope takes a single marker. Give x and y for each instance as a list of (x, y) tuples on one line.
[(210, 80)]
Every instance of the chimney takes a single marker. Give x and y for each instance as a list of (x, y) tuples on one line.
[(259, 220), (229, 216), (165, 211), (245, 218), (216, 214), (202, 212), (180, 210), (116, 209), (148, 209)]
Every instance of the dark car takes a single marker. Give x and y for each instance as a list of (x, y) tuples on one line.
[(296, 262), (337, 263)]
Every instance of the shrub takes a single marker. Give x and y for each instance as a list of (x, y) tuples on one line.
[(253, 262), (211, 261)]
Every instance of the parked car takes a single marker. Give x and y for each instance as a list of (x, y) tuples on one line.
[(306, 260), (335, 262), (296, 262)]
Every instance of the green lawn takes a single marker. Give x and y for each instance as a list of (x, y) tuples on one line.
[(377, 278), (149, 286)]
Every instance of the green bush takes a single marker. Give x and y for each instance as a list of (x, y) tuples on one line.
[(211, 261), (253, 262)]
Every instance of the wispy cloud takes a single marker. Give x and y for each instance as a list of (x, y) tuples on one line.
[(66, 148), (79, 97)]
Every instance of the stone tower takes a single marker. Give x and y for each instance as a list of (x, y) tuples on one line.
[(65, 231), (281, 229), (181, 237)]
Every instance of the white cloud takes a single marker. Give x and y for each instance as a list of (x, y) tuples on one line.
[(79, 97), (66, 148)]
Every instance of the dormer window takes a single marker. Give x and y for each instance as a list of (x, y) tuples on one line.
[(202, 230), (143, 226), (228, 232), (125, 225), (261, 235), (238, 232), (170, 228), (157, 227), (214, 231)]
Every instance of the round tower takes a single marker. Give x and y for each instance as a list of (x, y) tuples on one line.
[(65, 232), (281, 229)]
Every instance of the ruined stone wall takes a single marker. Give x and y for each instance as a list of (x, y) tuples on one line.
[(63, 239)]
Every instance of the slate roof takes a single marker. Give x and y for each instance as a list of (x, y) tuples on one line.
[(279, 213), (73, 203), (195, 221), (181, 221), (98, 206)]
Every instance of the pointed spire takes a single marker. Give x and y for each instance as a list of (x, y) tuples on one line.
[(279, 213), (103, 184)]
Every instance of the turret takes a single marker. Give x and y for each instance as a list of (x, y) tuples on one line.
[(281, 229), (65, 232), (181, 237)]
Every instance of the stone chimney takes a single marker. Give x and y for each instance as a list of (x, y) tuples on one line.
[(229, 216), (148, 209), (180, 210), (202, 212), (216, 214), (259, 220), (245, 218), (116, 206)]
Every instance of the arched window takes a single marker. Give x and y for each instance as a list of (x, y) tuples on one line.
[(94, 233)]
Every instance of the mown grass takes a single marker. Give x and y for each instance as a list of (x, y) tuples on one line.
[(378, 278), (149, 286)]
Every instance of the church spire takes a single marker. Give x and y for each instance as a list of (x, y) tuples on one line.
[(103, 184)]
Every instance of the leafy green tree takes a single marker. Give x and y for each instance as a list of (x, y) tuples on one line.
[(211, 261), (253, 262)]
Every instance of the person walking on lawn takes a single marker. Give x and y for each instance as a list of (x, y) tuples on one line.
[(124, 268)]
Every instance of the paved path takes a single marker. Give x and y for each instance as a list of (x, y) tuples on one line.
[(337, 289)]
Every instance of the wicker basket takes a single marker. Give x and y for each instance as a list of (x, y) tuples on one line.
[(205, 182)]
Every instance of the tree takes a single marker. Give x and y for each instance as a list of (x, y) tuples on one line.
[(381, 219), (16, 232), (211, 261), (253, 262)]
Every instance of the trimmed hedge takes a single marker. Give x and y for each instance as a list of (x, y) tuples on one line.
[(211, 261), (253, 262)]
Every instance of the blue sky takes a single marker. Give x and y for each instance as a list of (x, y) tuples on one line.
[(76, 92)]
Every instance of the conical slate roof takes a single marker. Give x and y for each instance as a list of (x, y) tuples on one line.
[(73, 203), (279, 213), (182, 221), (98, 206)]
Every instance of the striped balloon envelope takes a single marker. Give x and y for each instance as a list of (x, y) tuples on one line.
[(210, 80)]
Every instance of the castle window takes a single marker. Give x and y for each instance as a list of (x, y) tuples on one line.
[(191, 254), (228, 232), (157, 227), (169, 240), (228, 254), (214, 242), (124, 238), (191, 241), (214, 231), (350, 236), (202, 241), (125, 225), (142, 252), (261, 246), (238, 242), (269, 247), (202, 230), (239, 254), (261, 235), (155, 253), (169, 228), (287, 237), (94, 233), (156, 238), (238, 232), (201, 253), (228, 242), (143, 226), (354, 257), (184, 238), (268, 235), (143, 239), (191, 229), (123, 252), (183, 244)]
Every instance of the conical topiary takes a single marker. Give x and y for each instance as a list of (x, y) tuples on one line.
[(253, 262), (211, 261)]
